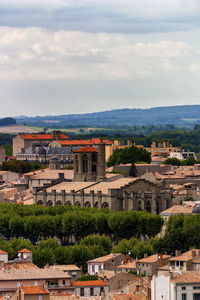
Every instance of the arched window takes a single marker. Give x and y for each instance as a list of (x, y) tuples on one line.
[(85, 164), (139, 205), (148, 206), (94, 168)]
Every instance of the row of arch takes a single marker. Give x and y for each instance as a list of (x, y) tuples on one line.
[(77, 203)]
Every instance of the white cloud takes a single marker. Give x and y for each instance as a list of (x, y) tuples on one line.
[(40, 54)]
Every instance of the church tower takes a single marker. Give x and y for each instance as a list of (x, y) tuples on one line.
[(89, 164)]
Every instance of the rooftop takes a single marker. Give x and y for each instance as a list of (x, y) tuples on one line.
[(91, 142), (32, 290), (186, 256), (38, 136), (67, 267), (177, 209), (86, 149), (24, 251), (152, 258), (129, 265), (186, 277), (104, 258), (89, 283)]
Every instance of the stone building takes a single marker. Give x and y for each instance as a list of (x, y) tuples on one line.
[(122, 194), (23, 141), (2, 154)]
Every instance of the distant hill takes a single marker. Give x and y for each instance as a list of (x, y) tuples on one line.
[(185, 115), (7, 121)]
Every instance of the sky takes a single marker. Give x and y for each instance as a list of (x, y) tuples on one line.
[(78, 56)]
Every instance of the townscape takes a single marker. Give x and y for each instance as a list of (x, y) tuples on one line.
[(99, 150), (82, 225)]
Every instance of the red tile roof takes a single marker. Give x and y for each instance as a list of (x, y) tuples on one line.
[(3, 252), (24, 251), (84, 142), (42, 136), (31, 290), (89, 283), (86, 149)]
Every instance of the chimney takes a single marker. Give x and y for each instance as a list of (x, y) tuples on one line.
[(161, 260), (177, 253)]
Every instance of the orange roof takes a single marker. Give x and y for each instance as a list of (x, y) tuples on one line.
[(186, 255), (186, 277), (31, 290), (24, 251), (178, 209), (86, 149), (152, 258), (42, 136), (89, 283), (19, 266), (3, 252), (84, 142)]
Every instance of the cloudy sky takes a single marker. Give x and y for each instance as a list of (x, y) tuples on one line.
[(76, 56)]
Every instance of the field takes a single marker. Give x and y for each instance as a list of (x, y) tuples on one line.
[(15, 129)]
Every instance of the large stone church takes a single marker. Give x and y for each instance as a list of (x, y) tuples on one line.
[(93, 187)]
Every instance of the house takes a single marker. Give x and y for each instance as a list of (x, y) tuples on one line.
[(148, 265), (176, 286), (130, 266), (74, 271), (108, 262), (188, 261), (31, 293), (90, 288), (22, 141)]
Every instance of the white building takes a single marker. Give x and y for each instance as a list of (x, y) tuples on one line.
[(182, 155), (176, 286)]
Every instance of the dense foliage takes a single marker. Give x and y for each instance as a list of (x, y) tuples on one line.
[(129, 155), (64, 222), (177, 162), (20, 166)]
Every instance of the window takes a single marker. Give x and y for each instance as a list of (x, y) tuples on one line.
[(196, 287), (93, 268), (73, 274), (184, 297), (82, 292), (196, 296), (101, 290), (63, 282), (91, 291), (99, 267), (183, 288), (85, 164)]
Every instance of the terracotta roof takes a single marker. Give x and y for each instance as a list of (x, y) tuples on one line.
[(152, 259), (67, 267), (86, 149), (91, 142), (24, 251), (38, 136), (186, 277), (129, 265), (31, 290), (178, 209), (3, 252), (89, 283), (52, 174), (185, 256), (104, 258), (19, 266)]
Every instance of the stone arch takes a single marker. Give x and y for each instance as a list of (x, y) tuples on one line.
[(58, 203), (49, 203), (148, 206), (68, 203), (87, 204), (139, 205), (96, 204), (105, 205), (40, 202), (78, 204)]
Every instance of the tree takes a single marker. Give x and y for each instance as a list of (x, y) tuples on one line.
[(173, 161)]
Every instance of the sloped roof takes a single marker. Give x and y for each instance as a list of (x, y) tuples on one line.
[(177, 209), (38, 136), (31, 290), (89, 283), (86, 149), (24, 251)]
